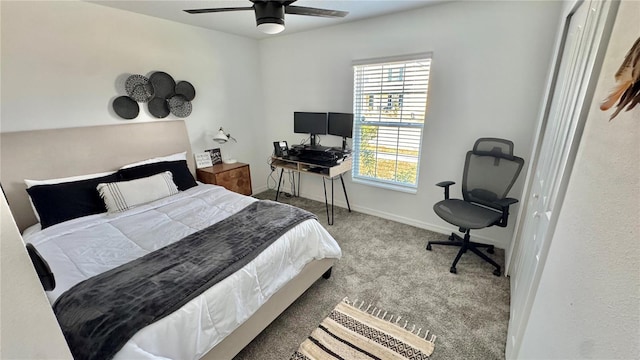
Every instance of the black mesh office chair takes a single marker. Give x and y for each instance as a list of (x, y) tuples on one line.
[(489, 173)]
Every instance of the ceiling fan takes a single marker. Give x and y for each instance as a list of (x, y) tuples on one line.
[(270, 14)]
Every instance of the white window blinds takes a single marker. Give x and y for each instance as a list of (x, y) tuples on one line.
[(390, 101)]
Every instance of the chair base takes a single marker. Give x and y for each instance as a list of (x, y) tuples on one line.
[(465, 244)]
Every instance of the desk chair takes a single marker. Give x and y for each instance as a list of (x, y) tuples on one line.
[(489, 173)]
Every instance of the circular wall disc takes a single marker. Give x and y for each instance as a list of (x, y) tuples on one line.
[(185, 89), (159, 108), (126, 107)]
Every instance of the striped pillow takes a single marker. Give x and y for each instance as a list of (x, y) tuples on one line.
[(123, 195)]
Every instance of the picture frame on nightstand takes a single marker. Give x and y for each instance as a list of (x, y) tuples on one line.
[(216, 155), (203, 160)]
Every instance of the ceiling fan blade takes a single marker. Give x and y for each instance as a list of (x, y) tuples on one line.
[(302, 10), (203, 11)]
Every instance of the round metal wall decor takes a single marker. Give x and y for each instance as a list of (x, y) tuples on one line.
[(159, 108), (161, 93), (126, 107), (179, 106), (138, 88), (185, 89), (163, 84)]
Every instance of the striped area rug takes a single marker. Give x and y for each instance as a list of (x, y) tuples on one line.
[(355, 331)]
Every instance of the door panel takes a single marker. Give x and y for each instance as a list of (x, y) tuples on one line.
[(586, 27)]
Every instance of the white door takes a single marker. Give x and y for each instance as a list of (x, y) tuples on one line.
[(582, 34)]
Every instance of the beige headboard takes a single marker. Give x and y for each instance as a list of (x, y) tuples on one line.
[(55, 153)]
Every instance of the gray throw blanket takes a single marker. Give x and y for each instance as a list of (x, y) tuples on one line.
[(99, 315)]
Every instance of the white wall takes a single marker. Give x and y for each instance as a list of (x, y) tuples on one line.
[(588, 302), (63, 63), (490, 61)]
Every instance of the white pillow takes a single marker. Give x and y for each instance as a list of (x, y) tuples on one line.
[(123, 195), (31, 229), (31, 183), (172, 157)]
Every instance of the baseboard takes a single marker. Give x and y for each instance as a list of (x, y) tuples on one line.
[(401, 219), (260, 189), (404, 220)]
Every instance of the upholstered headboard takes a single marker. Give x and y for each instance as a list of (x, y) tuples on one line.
[(55, 153)]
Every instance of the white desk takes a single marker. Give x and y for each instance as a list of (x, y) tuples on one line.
[(330, 172)]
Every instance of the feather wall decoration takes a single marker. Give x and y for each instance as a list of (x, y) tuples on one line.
[(627, 87)]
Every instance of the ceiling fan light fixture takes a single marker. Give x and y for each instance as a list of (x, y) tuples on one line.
[(271, 28), (270, 13), (269, 16)]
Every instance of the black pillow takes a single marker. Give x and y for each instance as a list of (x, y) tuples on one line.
[(47, 279), (181, 175), (56, 203)]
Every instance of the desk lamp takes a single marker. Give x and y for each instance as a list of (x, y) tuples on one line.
[(221, 138)]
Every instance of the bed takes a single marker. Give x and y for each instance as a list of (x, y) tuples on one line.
[(216, 324)]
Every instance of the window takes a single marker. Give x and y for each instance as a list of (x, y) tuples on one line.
[(387, 137), (395, 73), (370, 101)]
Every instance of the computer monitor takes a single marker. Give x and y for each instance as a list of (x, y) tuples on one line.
[(341, 124), (310, 123)]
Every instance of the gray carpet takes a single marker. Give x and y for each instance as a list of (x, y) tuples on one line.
[(385, 262)]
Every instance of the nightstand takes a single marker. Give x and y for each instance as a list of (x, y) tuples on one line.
[(235, 177)]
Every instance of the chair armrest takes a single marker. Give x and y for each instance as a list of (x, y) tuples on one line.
[(445, 185), (504, 204)]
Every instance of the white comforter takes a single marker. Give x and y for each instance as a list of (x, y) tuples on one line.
[(84, 247)]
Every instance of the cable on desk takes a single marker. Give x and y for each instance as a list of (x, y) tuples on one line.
[(292, 180), (270, 176), (275, 181)]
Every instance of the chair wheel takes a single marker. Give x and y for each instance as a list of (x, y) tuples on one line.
[(490, 250), (451, 237), (428, 246), (496, 272), (453, 270)]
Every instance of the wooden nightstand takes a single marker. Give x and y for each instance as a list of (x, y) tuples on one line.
[(235, 177)]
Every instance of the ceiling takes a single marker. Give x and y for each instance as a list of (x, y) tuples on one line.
[(243, 22)]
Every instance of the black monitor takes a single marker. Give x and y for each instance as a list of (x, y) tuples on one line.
[(310, 123), (341, 124)]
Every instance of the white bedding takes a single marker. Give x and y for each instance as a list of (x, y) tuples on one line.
[(84, 247)]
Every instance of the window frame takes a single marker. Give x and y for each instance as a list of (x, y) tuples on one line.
[(397, 98)]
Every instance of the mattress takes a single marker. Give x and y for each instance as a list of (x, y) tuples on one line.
[(87, 246)]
